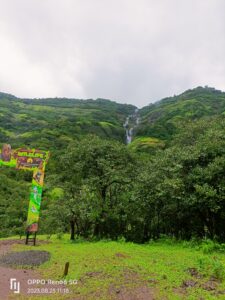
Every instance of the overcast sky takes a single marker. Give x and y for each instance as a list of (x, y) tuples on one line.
[(131, 51)]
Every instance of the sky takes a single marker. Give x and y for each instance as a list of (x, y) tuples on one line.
[(130, 51)]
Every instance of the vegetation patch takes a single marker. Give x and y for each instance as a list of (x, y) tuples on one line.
[(106, 124), (146, 143)]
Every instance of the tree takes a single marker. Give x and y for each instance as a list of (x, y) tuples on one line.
[(181, 190), (95, 174)]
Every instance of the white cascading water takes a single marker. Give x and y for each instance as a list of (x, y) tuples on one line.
[(125, 125), (129, 130)]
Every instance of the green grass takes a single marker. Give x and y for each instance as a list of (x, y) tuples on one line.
[(103, 266)]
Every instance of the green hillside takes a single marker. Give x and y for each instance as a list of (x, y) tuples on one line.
[(162, 119), (168, 181), (50, 124), (53, 123)]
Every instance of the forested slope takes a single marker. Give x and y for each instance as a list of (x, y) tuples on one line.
[(53, 123), (168, 180), (162, 118)]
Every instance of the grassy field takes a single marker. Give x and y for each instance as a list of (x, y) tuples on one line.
[(110, 270)]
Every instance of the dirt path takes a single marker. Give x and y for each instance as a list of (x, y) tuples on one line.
[(6, 273), (24, 276)]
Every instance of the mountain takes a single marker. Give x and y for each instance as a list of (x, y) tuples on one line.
[(162, 119), (53, 123)]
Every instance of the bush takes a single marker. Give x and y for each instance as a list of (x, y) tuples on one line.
[(211, 267), (218, 270), (209, 246), (59, 235), (193, 243)]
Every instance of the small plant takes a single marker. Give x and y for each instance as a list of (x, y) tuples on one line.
[(168, 240), (218, 270), (122, 239), (59, 235), (193, 243), (208, 246), (211, 267)]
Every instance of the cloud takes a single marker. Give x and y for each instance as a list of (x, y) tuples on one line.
[(130, 51)]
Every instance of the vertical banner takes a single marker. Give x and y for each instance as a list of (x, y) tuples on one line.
[(32, 160), (35, 200)]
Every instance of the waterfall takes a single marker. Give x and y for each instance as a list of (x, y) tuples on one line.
[(130, 123), (126, 126)]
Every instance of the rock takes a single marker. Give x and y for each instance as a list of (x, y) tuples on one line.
[(209, 285), (188, 283), (152, 280), (193, 272)]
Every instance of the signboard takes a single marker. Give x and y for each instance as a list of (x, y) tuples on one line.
[(32, 160)]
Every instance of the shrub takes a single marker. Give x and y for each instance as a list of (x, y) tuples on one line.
[(209, 246), (59, 235), (211, 267)]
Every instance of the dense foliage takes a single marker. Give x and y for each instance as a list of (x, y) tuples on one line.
[(163, 118), (54, 123), (98, 187)]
